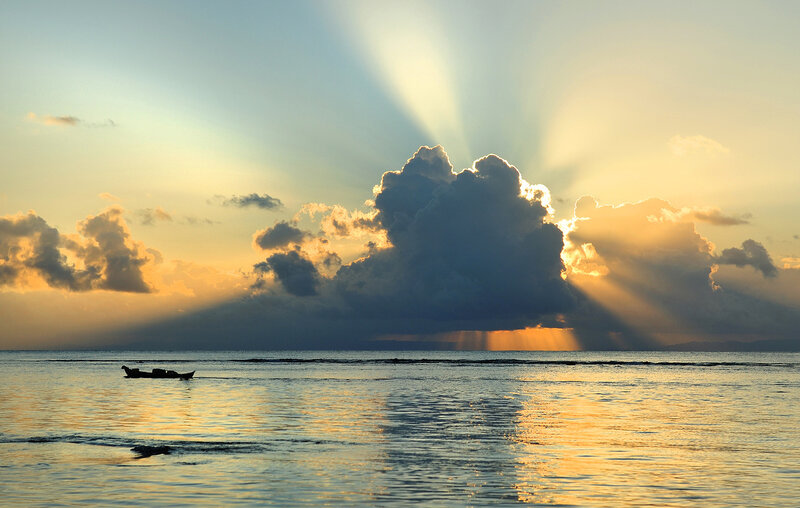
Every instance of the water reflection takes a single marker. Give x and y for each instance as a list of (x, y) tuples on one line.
[(361, 433)]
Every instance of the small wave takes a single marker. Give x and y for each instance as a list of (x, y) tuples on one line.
[(514, 361), (434, 361), (146, 448)]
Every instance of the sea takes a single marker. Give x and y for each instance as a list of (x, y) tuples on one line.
[(399, 428)]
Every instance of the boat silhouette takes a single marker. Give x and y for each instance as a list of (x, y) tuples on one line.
[(156, 373)]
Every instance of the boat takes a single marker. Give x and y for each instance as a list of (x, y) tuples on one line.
[(157, 373)]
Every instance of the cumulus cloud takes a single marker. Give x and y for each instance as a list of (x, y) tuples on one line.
[(646, 237), (29, 247), (646, 263), (296, 273), (752, 254), (280, 235), (465, 246), (653, 237), (687, 145), (471, 249), (478, 250), (101, 256), (338, 222), (111, 251), (263, 201)]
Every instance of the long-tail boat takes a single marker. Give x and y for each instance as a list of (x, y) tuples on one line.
[(156, 373)]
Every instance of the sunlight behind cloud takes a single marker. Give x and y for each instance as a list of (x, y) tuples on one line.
[(405, 46)]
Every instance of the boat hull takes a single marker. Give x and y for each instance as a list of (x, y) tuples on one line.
[(156, 374)]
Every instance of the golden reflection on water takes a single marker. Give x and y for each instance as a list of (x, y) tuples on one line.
[(439, 433), (630, 440)]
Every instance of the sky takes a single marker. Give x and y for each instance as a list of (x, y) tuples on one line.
[(391, 175)]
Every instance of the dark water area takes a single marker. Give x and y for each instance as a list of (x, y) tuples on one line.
[(366, 428)]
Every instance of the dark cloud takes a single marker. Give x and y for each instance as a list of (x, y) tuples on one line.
[(280, 235), (465, 247), (110, 249), (717, 218), (331, 260), (296, 273), (30, 248), (468, 252), (476, 251), (752, 254), (263, 201), (40, 257)]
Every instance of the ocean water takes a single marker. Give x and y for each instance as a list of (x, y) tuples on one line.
[(367, 428)]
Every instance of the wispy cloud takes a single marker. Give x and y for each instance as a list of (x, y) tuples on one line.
[(687, 145), (64, 121), (67, 121), (791, 263), (107, 196), (149, 216), (716, 217), (263, 201)]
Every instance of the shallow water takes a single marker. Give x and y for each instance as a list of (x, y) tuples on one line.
[(445, 428)]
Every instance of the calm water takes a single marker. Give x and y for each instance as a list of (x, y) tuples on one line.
[(442, 428)]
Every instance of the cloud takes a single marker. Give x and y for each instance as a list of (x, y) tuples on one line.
[(338, 222), (107, 257), (752, 254), (263, 201), (280, 235), (191, 220), (791, 263), (649, 237), (63, 121), (107, 196), (67, 121), (687, 145), (296, 273), (149, 216), (477, 250), (110, 250), (716, 217), (29, 247), (646, 264), (464, 246), (108, 123)]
